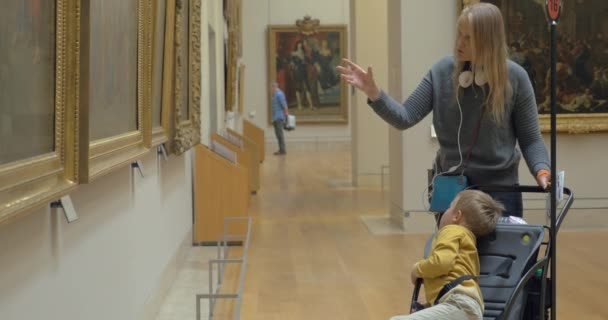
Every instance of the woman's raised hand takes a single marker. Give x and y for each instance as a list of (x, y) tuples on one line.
[(359, 78)]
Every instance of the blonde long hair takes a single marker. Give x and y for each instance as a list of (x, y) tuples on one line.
[(490, 54)]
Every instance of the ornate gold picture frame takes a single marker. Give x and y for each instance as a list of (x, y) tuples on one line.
[(32, 182), (233, 13), (161, 47), (582, 66), (187, 80), (241, 88), (302, 59), (119, 62)]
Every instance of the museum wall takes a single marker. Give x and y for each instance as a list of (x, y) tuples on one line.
[(120, 256), (257, 15), (109, 263)]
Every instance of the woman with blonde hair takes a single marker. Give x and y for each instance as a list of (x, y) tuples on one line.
[(482, 103)]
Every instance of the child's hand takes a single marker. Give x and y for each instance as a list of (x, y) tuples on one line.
[(414, 275)]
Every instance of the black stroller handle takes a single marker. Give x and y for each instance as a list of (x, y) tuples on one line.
[(531, 189)]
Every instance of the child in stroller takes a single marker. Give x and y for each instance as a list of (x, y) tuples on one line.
[(514, 263), (451, 289)]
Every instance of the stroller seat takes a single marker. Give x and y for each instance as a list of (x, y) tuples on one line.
[(508, 258), (513, 270)]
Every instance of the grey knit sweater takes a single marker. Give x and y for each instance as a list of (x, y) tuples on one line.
[(494, 157)]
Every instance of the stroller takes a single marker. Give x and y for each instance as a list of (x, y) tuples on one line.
[(514, 261)]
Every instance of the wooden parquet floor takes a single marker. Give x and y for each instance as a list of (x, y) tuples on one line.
[(311, 257)]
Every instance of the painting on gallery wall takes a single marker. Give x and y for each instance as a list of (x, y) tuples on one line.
[(114, 68), (42, 155), (27, 79), (302, 59), (582, 58)]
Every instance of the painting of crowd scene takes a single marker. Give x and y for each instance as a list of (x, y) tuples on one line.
[(304, 66), (582, 52)]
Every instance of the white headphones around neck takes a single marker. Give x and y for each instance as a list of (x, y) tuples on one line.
[(466, 78)]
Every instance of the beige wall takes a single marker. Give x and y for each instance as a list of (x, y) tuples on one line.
[(369, 132), (420, 50), (395, 89), (257, 14), (110, 262), (583, 158)]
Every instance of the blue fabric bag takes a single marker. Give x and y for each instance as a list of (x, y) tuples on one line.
[(445, 189)]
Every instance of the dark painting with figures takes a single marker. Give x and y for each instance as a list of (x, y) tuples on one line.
[(582, 52), (304, 66)]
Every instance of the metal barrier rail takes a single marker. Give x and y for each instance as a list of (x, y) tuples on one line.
[(221, 261)]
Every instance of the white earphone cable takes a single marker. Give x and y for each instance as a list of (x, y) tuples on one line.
[(425, 203)]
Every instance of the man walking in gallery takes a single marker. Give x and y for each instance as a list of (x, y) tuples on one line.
[(279, 115)]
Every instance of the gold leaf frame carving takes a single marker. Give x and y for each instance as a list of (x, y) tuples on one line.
[(108, 154), (187, 133), (241, 90), (578, 123), (32, 183), (235, 47), (154, 136), (231, 78)]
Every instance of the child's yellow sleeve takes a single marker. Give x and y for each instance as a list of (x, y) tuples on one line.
[(442, 256)]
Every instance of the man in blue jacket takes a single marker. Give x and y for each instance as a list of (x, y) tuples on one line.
[(279, 116)]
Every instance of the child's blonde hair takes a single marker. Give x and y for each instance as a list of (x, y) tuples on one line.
[(481, 212)]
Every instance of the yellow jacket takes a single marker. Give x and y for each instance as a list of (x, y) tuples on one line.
[(453, 254)]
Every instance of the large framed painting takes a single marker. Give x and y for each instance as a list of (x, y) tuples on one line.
[(187, 75), (119, 65), (41, 155), (582, 54), (302, 59)]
